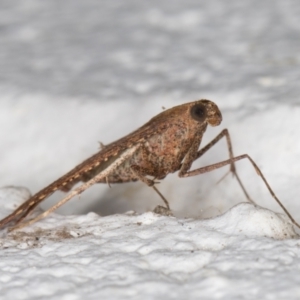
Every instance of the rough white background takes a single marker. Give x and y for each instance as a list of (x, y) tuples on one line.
[(77, 72)]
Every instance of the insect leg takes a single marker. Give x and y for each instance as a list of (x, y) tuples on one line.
[(27, 207), (203, 150), (230, 161), (105, 173), (140, 174)]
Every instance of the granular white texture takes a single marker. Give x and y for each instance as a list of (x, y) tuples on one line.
[(131, 256)]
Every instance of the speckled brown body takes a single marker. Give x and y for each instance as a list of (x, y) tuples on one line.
[(165, 140), (167, 143)]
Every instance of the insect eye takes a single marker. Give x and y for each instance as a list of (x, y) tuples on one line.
[(198, 112)]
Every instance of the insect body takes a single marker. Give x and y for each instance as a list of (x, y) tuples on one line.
[(169, 142)]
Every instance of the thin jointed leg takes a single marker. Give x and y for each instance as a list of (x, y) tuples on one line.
[(140, 173), (230, 161), (203, 150)]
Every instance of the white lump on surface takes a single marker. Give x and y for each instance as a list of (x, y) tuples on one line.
[(253, 221)]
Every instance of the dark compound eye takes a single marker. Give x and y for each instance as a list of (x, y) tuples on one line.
[(198, 112)]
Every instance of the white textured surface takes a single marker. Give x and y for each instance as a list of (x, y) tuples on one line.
[(74, 73), (132, 256)]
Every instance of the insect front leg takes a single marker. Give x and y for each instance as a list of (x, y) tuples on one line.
[(186, 173), (223, 133)]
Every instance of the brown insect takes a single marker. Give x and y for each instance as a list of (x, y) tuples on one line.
[(169, 142)]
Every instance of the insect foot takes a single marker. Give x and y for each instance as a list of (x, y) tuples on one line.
[(161, 210)]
